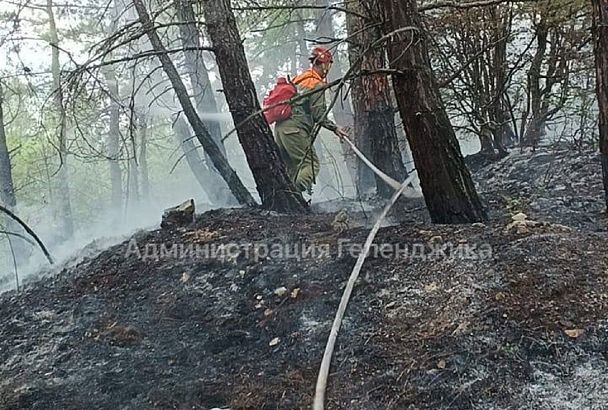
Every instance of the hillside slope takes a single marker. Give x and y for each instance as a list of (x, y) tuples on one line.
[(511, 314)]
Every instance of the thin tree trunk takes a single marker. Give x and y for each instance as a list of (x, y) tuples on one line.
[(219, 160), (183, 136), (325, 33), (7, 190), (273, 184), (342, 110), (600, 27), (203, 95), (133, 177), (502, 132), (197, 71), (143, 157), (375, 131), (535, 127), (63, 188), (113, 138), (445, 180), (303, 52), (113, 141)]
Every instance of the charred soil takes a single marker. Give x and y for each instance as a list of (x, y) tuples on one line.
[(510, 314)]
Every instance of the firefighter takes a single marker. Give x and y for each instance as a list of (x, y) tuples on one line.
[(294, 136)]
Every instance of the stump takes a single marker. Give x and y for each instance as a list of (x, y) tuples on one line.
[(181, 215)]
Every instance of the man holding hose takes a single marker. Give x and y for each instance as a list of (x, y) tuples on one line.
[(294, 136)]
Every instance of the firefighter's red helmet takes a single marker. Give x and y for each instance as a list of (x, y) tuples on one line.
[(321, 55)]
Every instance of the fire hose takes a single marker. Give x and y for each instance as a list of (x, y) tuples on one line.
[(396, 185), (321, 386)]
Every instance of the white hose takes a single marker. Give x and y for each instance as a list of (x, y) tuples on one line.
[(319, 401), (389, 181)]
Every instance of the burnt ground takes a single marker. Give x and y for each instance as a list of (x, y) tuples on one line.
[(524, 326)]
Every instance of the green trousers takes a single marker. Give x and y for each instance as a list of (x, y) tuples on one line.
[(295, 147)]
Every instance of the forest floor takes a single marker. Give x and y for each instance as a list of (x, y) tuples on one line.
[(503, 315)]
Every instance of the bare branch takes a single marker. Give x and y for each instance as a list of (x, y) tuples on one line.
[(460, 5), (29, 231)]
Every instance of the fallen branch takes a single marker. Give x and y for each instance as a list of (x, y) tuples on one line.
[(319, 401), (29, 231)]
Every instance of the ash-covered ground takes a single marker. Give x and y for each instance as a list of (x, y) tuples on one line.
[(505, 315)]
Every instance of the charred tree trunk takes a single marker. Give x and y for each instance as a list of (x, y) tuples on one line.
[(219, 160), (375, 131), (536, 126), (63, 187), (502, 132), (273, 184), (203, 94), (7, 190), (445, 180), (600, 26)]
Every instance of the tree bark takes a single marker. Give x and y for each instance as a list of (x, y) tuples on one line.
[(273, 184), (203, 95), (219, 160), (374, 126), (63, 187), (600, 28), (7, 190), (446, 183)]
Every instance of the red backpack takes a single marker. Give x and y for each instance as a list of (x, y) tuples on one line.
[(283, 91)]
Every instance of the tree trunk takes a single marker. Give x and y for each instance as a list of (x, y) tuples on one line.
[(600, 27), (63, 188), (303, 52), (273, 184), (143, 156), (445, 180), (183, 136), (133, 174), (113, 139), (502, 132), (204, 100), (219, 160), (7, 190), (343, 112), (374, 128), (536, 126)]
